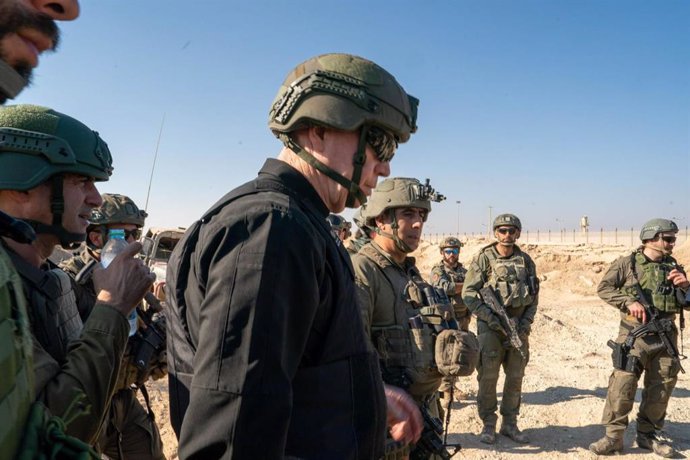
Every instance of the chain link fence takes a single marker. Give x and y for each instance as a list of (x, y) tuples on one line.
[(616, 236)]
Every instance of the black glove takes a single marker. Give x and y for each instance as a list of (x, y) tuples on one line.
[(524, 328)]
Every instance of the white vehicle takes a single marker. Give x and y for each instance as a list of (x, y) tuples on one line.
[(158, 245)]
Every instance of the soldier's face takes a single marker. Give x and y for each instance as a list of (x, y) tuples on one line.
[(507, 235), (410, 225), (81, 196), (28, 28), (664, 242), (450, 256)]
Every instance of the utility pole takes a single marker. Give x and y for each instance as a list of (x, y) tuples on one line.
[(489, 227), (458, 203)]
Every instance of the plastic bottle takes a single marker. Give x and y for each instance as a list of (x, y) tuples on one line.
[(115, 245)]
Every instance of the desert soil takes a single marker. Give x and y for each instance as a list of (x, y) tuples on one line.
[(566, 379)]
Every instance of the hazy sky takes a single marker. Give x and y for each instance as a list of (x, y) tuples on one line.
[(548, 109)]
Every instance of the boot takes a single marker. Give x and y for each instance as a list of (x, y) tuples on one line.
[(607, 446), (488, 434), (650, 441), (510, 430)]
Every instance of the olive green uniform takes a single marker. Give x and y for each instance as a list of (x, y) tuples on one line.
[(513, 279), (447, 278), (387, 291), (660, 371), (129, 430), (16, 384)]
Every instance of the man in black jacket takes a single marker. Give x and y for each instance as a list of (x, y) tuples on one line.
[(267, 352)]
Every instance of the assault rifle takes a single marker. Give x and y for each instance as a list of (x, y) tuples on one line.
[(658, 326), (430, 442), (508, 323)]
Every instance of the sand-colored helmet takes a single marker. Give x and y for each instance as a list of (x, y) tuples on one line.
[(655, 226), (345, 92), (118, 209), (450, 242), (399, 192), (37, 143), (507, 219)]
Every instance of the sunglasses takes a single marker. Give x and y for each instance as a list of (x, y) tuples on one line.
[(509, 230), (668, 239), (136, 234), (383, 143), (449, 251)]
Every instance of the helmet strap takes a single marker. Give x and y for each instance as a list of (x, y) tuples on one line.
[(67, 239), (354, 192), (11, 83)]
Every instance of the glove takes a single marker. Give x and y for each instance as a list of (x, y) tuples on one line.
[(524, 328), (495, 324)]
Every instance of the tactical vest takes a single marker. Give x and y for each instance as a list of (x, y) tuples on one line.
[(511, 278), (653, 279), (54, 317), (407, 343), (16, 362)]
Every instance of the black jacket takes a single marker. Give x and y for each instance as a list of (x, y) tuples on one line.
[(267, 352)]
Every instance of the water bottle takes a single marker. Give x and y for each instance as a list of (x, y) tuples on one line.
[(115, 245)]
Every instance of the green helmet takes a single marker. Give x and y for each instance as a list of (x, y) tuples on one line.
[(450, 242), (38, 144), (359, 219), (655, 226), (399, 192), (118, 209), (344, 92), (507, 219)]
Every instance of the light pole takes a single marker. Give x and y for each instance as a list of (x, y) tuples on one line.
[(488, 227), (458, 203)]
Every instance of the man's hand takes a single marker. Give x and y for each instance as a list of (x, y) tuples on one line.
[(125, 281), (524, 328), (495, 324), (637, 310), (404, 419), (678, 278)]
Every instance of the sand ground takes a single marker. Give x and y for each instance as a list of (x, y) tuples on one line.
[(566, 379)]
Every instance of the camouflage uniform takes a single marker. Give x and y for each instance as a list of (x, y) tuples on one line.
[(446, 278), (661, 373), (385, 290), (129, 431), (510, 277)]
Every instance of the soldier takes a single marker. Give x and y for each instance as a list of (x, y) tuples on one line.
[(391, 290), (130, 430), (48, 165), (511, 274), (16, 62), (363, 235), (340, 226), (652, 273), (449, 275), (267, 352)]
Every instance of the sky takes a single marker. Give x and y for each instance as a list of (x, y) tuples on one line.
[(547, 109)]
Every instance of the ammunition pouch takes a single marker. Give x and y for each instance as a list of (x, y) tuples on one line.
[(422, 341), (393, 346), (457, 353)]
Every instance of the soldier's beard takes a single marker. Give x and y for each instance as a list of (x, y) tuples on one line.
[(13, 17)]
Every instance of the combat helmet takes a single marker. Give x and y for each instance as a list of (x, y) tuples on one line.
[(450, 242), (38, 144), (360, 221), (348, 93), (118, 209), (655, 226), (399, 192), (507, 219)]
